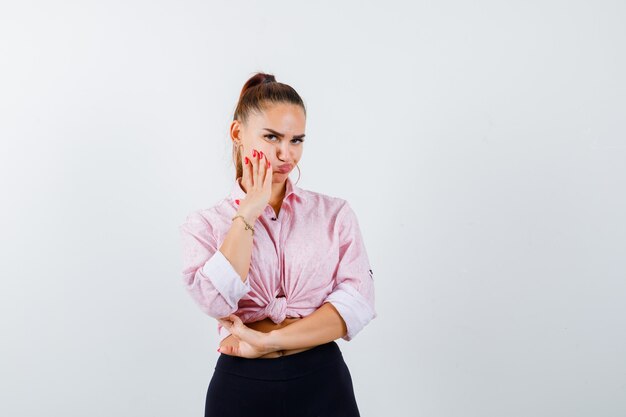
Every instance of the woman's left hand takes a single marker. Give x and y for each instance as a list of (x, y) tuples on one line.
[(252, 343)]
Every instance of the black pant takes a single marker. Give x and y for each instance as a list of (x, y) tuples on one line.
[(315, 382)]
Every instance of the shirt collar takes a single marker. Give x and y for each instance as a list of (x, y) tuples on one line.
[(238, 193)]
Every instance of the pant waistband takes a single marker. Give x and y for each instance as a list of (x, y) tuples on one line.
[(283, 367)]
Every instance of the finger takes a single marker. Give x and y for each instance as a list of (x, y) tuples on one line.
[(237, 328), (263, 169), (247, 170), (235, 319), (258, 180), (255, 167), (226, 325), (230, 350), (267, 183)]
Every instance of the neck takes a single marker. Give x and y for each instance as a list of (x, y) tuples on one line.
[(278, 192)]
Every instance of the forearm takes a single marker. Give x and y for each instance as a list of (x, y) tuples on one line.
[(237, 245), (322, 326)]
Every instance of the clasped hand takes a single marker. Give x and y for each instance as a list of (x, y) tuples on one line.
[(252, 343)]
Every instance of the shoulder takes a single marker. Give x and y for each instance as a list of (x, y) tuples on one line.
[(335, 208), (327, 201), (207, 216)]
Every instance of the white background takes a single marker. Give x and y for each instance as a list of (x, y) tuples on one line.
[(481, 144)]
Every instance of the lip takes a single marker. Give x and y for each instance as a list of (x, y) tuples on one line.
[(284, 168)]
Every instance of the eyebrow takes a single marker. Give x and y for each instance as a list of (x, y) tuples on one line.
[(282, 134)]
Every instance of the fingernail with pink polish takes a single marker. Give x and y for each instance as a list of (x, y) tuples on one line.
[(237, 201)]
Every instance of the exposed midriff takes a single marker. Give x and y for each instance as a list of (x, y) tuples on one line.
[(267, 325)]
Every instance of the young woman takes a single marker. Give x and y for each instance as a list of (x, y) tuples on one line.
[(284, 271)]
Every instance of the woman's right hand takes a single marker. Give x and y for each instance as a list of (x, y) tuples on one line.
[(257, 181), (231, 340)]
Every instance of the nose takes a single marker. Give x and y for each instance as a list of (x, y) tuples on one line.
[(283, 151)]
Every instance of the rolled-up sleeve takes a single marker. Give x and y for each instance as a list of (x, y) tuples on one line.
[(207, 274), (353, 292)]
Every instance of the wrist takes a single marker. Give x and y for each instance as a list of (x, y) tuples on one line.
[(250, 217), (273, 341)]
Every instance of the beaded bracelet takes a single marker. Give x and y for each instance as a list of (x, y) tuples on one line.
[(248, 227)]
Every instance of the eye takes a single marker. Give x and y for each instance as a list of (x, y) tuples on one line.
[(295, 141)]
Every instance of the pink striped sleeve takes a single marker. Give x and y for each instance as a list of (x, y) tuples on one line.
[(353, 293), (207, 274)]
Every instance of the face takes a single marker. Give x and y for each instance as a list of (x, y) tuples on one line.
[(278, 132)]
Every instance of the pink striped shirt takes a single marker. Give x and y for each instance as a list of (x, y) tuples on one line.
[(310, 254)]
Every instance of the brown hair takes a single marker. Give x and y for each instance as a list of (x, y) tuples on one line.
[(257, 93)]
